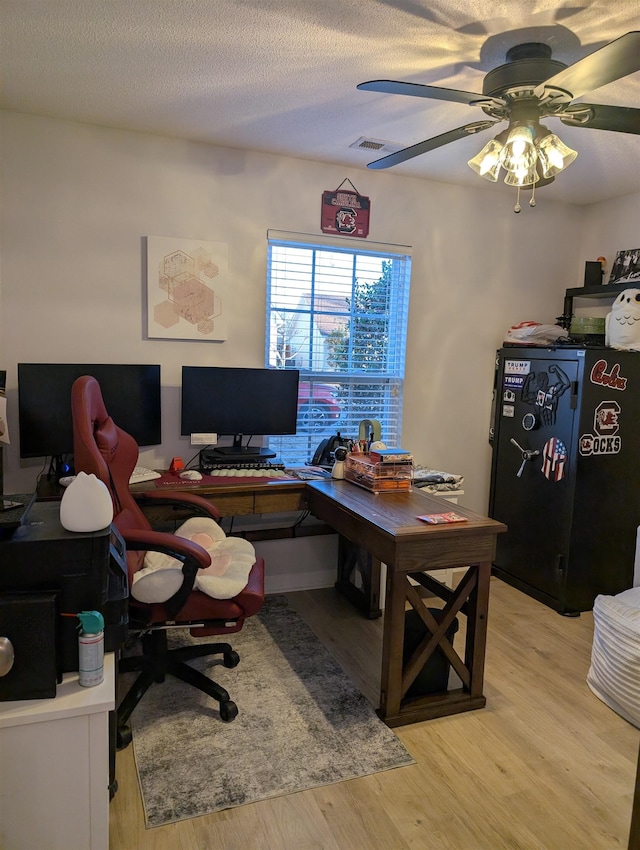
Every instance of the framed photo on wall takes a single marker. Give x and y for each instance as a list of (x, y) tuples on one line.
[(187, 289), (626, 267)]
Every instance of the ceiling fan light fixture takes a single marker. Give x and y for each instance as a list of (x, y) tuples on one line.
[(522, 177), (528, 87), (487, 162), (554, 155), (519, 153)]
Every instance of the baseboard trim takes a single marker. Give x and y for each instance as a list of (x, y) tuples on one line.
[(290, 582)]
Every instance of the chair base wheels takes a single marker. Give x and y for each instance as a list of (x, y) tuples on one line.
[(157, 662), (124, 736), (228, 711), (231, 659)]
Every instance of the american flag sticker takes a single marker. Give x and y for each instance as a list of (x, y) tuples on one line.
[(554, 459)]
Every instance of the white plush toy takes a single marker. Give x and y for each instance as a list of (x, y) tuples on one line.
[(231, 562), (622, 326), (86, 504)]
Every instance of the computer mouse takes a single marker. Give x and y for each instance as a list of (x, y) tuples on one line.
[(191, 475), (66, 480)]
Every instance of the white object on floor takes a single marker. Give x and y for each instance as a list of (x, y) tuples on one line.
[(614, 675), (636, 565), (141, 474)]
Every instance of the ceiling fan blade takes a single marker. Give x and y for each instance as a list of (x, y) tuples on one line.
[(430, 144), (611, 62), (620, 119), (418, 90)]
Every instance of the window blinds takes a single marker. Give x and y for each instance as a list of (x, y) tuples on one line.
[(338, 313)]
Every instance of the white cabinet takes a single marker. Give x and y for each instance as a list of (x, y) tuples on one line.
[(54, 768)]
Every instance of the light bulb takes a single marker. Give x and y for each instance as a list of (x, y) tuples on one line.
[(487, 162), (519, 153), (554, 155), (522, 177)]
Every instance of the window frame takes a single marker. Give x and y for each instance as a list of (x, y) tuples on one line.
[(390, 377)]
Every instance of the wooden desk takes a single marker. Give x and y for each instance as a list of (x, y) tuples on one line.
[(387, 528), (260, 497)]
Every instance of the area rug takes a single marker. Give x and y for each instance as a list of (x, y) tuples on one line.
[(302, 723)]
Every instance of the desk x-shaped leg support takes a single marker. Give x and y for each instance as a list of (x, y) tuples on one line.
[(470, 598)]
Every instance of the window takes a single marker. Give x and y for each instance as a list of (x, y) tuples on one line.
[(338, 313)]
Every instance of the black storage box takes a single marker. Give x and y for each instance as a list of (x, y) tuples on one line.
[(434, 676), (87, 571), (593, 274), (28, 624)]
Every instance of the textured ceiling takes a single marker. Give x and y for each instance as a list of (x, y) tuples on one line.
[(280, 75)]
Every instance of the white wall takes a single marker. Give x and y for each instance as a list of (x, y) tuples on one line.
[(610, 227), (77, 201)]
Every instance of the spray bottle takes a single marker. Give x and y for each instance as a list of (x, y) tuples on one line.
[(91, 648)]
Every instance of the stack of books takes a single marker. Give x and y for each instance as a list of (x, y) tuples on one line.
[(391, 456), (382, 471)]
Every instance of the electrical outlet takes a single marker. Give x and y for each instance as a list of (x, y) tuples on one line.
[(204, 439)]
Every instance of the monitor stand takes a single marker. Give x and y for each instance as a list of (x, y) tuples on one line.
[(237, 453)]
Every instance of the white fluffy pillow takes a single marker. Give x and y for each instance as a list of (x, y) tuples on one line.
[(231, 562), (614, 675), (156, 584)]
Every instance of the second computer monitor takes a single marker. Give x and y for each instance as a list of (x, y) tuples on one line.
[(131, 393), (232, 401)]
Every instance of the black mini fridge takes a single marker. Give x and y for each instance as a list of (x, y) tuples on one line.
[(565, 474)]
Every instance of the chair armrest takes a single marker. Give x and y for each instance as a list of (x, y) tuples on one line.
[(193, 556), (196, 504)]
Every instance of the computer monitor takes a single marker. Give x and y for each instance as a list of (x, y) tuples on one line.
[(236, 402), (131, 395)]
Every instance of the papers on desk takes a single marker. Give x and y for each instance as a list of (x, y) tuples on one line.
[(309, 473), (437, 519)]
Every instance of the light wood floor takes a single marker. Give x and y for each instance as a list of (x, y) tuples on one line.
[(545, 766)]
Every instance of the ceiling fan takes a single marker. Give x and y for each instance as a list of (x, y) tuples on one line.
[(528, 88)]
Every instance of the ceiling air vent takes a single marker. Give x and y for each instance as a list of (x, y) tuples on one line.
[(375, 145)]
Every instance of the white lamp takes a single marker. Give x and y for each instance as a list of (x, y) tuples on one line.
[(86, 504)]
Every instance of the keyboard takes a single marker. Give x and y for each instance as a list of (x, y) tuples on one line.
[(257, 464), (141, 474)]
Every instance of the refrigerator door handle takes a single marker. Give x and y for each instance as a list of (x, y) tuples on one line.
[(573, 404)]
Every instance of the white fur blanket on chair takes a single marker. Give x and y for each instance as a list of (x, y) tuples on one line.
[(231, 562)]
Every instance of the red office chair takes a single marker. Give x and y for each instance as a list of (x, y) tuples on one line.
[(105, 450)]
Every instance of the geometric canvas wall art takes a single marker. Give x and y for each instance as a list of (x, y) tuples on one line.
[(187, 288)]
